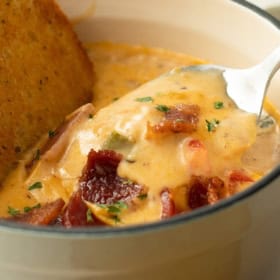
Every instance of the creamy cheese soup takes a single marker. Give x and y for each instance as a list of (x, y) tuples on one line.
[(170, 146)]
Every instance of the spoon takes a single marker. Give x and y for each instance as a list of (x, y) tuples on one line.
[(246, 87)]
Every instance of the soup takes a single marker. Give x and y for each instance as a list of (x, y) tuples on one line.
[(170, 146)]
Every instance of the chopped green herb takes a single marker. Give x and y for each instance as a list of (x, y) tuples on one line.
[(116, 141), (142, 196), (121, 204), (212, 125), (115, 99), (90, 116), (37, 185), (116, 218), (265, 122), (37, 154), (144, 99), (13, 211), (27, 209), (114, 208), (52, 133), (162, 108), (89, 216), (218, 105), (127, 181)]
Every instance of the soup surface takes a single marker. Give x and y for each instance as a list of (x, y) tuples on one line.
[(173, 145), (118, 68)]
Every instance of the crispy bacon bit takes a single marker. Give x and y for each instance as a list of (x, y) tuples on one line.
[(235, 178), (197, 157), (197, 144), (75, 213), (168, 205), (179, 118), (204, 191), (41, 216), (100, 184), (239, 176), (216, 190)]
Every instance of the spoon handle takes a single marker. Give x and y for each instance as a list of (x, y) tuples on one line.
[(248, 87), (261, 75), (270, 65)]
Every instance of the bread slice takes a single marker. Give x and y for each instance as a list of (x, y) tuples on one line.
[(44, 74)]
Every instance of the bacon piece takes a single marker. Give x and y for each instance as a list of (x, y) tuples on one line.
[(75, 213), (168, 205), (179, 118), (197, 157), (239, 176), (100, 184), (204, 191), (196, 144), (41, 216)]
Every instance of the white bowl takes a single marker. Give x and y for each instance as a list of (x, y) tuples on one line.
[(235, 239)]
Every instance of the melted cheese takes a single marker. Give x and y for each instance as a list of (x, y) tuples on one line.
[(155, 163)]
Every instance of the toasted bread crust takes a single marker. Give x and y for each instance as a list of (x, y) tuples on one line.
[(44, 74)]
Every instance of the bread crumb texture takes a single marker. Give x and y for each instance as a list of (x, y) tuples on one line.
[(44, 74)]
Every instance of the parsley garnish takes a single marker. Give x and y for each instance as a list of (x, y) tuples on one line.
[(114, 208), (162, 108), (212, 125), (115, 99), (126, 181), (144, 99), (52, 133), (116, 141), (27, 209), (13, 211), (218, 105), (37, 185), (265, 122), (90, 116), (142, 196), (116, 218), (103, 206), (89, 216)]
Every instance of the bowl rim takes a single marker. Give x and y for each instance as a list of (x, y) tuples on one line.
[(105, 232), (259, 11)]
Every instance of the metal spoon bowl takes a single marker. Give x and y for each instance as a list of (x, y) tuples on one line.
[(247, 87)]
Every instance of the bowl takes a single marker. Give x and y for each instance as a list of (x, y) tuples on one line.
[(235, 239)]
